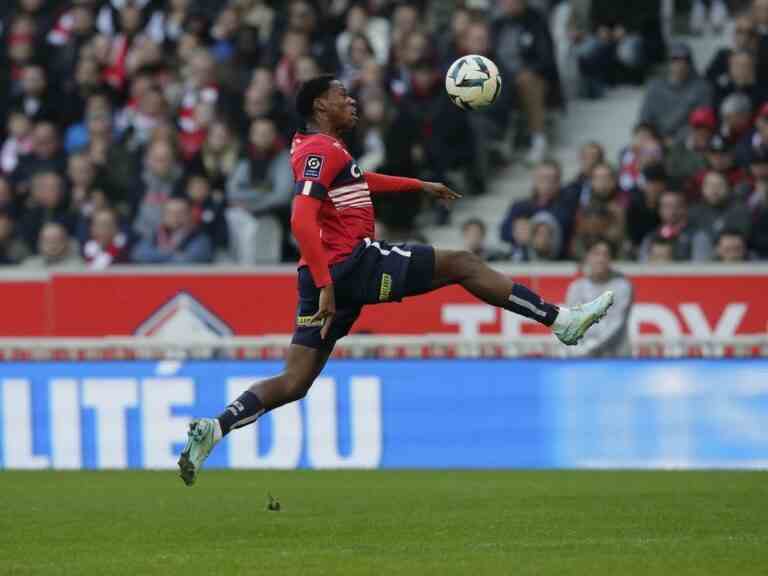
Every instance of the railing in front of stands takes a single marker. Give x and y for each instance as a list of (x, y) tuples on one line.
[(366, 346)]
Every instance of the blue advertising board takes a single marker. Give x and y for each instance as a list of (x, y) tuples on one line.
[(395, 414)]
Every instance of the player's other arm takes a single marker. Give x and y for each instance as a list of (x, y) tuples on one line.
[(306, 230), (378, 183)]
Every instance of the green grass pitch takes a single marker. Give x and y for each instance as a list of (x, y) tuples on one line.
[(393, 523)]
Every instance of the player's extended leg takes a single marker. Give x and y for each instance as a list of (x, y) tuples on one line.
[(471, 272), (302, 365)]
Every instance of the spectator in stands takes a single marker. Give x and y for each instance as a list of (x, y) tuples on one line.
[(263, 100), (260, 193), (36, 98), (755, 195), (8, 200), (687, 157), (643, 211), (84, 193), (760, 20), (217, 158), (106, 244), (608, 43), (201, 88), (590, 224), (741, 79), (176, 240), (546, 242), (744, 40), (661, 251), (755, 139), (48, 203), (208, 209), (304, 19), (473, 233), (611, 336), (373, 130), (520, 249), (720, 158), (374, 29), (545, 196), (605, 195), (360, 52), (45, 154), (18, 142), (12, 248), (295, 45), (55, 249), (670, 100), (731, 246), (736, 115), (645, 149), (689, 243), (160, 176), (590, 155), (719, 209), (525, 54)]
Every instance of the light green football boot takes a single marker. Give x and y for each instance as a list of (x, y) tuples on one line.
[(572, 323), (202, 436)]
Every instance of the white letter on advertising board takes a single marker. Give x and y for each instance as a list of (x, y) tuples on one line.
[(65, 424), (161, 430), (243, 444), (109, 400), (364, 422), (17, 426), (726, 325)]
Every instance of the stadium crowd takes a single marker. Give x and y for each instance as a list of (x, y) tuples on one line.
[(157, 131)]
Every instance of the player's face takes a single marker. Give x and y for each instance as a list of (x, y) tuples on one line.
[(341, 107)]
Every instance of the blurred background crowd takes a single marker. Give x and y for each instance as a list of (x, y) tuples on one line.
[(157, 131)]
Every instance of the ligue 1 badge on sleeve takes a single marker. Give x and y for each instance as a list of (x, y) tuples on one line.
[(313, 166)]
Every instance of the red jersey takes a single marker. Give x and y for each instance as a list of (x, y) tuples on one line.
[(342, 214), (324, 169)]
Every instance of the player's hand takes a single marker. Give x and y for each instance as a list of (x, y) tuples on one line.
[(439, 190), (326, 310)]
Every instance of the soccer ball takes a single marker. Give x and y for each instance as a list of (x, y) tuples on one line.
[(473, 82)]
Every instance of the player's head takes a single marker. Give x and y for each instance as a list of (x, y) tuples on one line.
[(325, 100)]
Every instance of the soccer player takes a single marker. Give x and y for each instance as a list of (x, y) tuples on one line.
[(343, 268)]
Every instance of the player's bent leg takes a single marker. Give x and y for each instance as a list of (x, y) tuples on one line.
[(302, 366), (471, 272)]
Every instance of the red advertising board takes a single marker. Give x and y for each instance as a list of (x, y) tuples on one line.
[(698, 301)]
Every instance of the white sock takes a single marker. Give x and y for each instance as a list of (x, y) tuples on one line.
[(216, 430), (539, 140), (562, 319)]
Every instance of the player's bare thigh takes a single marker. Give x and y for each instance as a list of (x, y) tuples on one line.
[(452, 266)]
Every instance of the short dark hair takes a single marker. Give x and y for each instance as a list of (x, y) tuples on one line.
[(598, 240), (731, 231), (655, 173), (309, 91), (473, 222)]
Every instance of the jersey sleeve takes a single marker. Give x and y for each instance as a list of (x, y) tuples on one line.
[(383, 183), (315, 168)]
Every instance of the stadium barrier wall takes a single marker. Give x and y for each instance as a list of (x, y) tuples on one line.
[(395, 414), (672, 301)]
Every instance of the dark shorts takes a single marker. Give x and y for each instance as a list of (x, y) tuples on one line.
[(375, 273)]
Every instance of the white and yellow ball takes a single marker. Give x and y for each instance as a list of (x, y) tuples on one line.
[(473, 82)]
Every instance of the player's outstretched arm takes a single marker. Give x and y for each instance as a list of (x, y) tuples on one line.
[(379, 183)]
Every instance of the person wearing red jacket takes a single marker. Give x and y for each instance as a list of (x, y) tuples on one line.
[(343, 267)]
